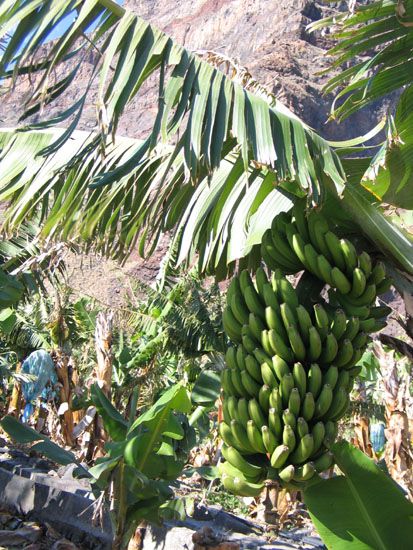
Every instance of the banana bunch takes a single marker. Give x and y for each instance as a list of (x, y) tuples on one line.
[(290, 371)]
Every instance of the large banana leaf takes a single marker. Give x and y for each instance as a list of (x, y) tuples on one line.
[(237, 158)]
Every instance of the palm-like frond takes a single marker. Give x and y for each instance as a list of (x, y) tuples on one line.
[(375, 51), (375, 47), (237, 159)]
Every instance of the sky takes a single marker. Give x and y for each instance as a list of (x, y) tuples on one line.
[(65, 23)]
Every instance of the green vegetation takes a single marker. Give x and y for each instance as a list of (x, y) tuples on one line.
[(241, 183)]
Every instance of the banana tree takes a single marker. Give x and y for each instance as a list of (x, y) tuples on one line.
[(220, 162)]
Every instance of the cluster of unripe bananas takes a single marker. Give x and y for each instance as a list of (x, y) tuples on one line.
[(290, 370)]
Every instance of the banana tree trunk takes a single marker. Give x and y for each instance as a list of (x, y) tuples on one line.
[(397, 401), (16, 396), (103, 346)]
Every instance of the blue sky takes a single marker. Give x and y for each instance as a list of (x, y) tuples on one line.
[(65, 23)]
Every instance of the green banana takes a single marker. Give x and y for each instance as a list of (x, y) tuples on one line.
[(256, 413), (321, 320), (253, 301), (237, 383), (305, 472), (279, 347), (230, 358), (256, 326), (253, 368), (241, 487), (226, 434), (323, 401), (318, 432), (279, 242), (342, 411), (349, 254), (296, 343), (274, 321), (299, 218), (274, 423), (240, 310), (232, 407), (287, 315), (340, 281), (265, 342), (315, 345), (268, 376), (302, 427), (359, 283), (244, 280), (269, 440), (238, 461), (365, 263), (279, 456), (227, 384), (260, 280), (242, 414), (297, 244), (287, 293), (248, 343), (325, 269), (240, 358), (289, 418), (239, 434), (333, 244), (287, 384), (331, 432), (294, 401), (304, 322), (378, 273), (276, 401), (249, 383), (338, 326), (380, 312), (331, 376), (288, 437), (366, 299), (231, 325), (357, 354), (315, 379), (264, 397), (357, 311), (278, 260), (352, 328), (323, 462), (303, 450), (270, 298), (384, 286), (345, 352), (279, 366), (225, 412), (343, 380), (360, 340), (287, 473), (234, 289), (308, 407), (300, 379), (330, 349), (339, 400), (367, 325), (311, 256), (262, 357), (255, 437)]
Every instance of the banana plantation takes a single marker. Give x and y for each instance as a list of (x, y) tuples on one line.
[(206, 325)]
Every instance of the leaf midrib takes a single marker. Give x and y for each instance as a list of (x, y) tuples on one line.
[(366, 515)]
